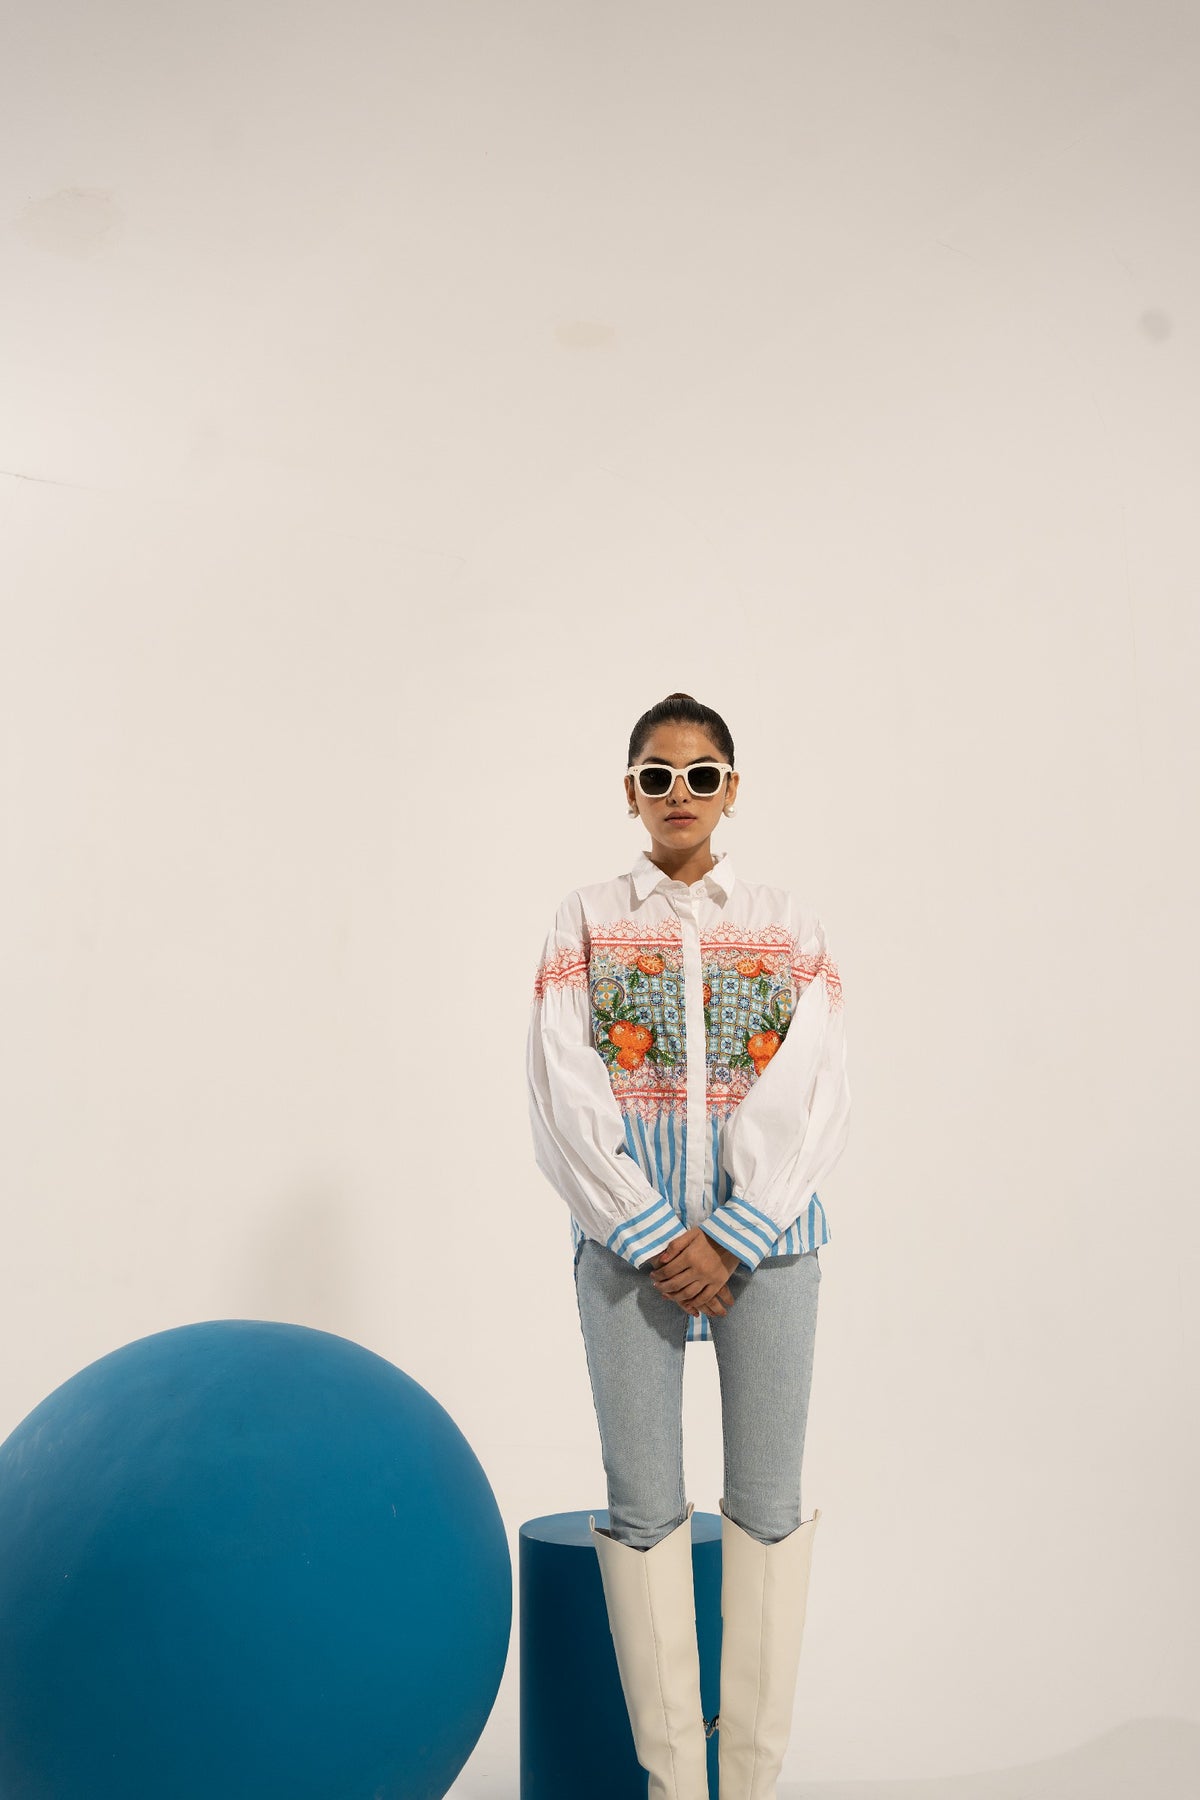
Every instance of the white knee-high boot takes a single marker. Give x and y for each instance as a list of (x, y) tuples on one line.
[(652, 1615), (764, 1591)]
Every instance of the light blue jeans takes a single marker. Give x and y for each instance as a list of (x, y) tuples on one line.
[(634, 1340)]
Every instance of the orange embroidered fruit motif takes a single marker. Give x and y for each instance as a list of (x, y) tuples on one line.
[(761, 1048), (623, 1039), (749, 966)]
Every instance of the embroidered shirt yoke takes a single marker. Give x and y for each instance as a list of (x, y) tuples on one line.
[(686, 1064)]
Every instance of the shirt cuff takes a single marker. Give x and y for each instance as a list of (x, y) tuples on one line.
[(646, 1234), (740, 1227)]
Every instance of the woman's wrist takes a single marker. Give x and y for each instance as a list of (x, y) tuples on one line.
[(729, 1258)]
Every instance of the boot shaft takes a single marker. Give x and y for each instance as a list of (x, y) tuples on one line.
[(764, 1596), (652, 1616)]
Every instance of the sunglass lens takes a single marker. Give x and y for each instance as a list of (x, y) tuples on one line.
[(655, 781), (706, 779)]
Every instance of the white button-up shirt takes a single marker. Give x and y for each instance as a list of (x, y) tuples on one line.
[(686, 1064)]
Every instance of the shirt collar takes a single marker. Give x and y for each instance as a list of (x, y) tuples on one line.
[(647, 876)]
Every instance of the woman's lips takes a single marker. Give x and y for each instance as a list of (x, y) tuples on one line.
[(681, 818)]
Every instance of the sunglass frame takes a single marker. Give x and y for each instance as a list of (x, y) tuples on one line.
[(637, 769)]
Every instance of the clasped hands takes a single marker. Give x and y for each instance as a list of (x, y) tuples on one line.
[(693, 1271)]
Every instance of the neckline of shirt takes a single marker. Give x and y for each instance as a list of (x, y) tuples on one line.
[(647, 876)]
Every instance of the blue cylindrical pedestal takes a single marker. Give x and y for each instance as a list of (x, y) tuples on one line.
[(576, 1741)]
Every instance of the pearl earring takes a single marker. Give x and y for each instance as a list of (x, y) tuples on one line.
[(728, 811)]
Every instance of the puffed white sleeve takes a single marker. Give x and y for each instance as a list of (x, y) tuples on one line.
[(578, 1132), (790, 1129)]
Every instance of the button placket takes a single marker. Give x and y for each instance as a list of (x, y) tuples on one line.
[(693, 989)]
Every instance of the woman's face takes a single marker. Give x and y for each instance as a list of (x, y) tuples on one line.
[(679, 745)]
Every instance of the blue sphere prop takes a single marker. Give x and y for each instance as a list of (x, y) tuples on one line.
[(245, 1558)]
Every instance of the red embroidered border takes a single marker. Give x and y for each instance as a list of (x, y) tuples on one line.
[(748, 937), (566, 968), (807, 968), (635, 931), (569, 967)]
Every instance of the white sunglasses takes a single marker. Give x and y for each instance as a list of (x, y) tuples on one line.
[(656, 779)]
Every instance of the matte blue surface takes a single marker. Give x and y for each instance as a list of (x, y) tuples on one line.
[(245, 1558), (576, 1741)]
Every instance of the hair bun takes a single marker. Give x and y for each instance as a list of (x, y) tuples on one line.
[(681, 709)]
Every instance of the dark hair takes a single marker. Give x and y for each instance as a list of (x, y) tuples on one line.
[(681, 709)]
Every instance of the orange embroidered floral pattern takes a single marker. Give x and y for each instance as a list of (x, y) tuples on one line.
[(637, 1013), (747, 1006), (633, 974)]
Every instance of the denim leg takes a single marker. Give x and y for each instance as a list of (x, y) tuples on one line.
[(764, 1346), (634, 1338)]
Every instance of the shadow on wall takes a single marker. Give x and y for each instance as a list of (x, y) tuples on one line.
[(1146, 1759)]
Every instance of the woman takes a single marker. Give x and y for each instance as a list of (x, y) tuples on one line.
[(688, 1089)]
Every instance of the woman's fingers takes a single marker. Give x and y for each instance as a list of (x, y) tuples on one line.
[(716, 1306), (681, 1287)]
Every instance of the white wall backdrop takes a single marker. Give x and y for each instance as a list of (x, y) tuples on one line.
[(395, 401)]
